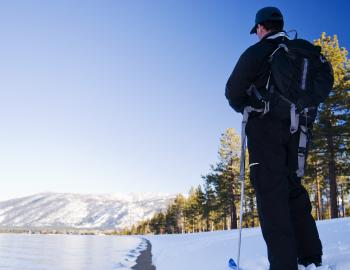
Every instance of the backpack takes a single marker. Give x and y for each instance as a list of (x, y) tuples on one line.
[(300, 78)]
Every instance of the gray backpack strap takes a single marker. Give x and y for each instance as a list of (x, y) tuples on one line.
[(302, 151), (246, 112), (294, 119)]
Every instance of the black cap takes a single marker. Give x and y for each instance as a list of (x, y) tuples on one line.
[(267, 14)]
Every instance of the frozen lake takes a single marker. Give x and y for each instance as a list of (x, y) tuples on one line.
[(67, 252)]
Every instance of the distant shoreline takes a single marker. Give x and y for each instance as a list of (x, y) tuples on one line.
[(144, 260), (48, 230)]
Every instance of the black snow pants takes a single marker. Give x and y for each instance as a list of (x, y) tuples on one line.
[(283, 204)]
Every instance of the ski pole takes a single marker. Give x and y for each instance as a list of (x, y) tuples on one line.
[(247, 110)]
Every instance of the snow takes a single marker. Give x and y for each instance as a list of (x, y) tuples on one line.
[(82, 211), (67, 252), (211, 250)]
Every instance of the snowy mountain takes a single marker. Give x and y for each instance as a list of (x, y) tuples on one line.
[(81, 211)]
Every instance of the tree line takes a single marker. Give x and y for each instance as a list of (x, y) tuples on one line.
[(214, 205)]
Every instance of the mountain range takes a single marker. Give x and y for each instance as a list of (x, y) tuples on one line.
[(68, 210)]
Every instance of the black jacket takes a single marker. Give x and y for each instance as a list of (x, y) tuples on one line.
[(251, 68)]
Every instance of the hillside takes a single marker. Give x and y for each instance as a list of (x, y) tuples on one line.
[(81, 211)]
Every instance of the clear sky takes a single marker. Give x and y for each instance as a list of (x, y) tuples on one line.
[(126, 96)]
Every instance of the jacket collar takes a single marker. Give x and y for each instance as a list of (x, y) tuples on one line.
[(275, 34)]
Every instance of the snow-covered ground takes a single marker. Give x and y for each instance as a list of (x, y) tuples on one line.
[(209, 251)]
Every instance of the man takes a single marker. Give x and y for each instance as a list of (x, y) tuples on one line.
[(283, 204)]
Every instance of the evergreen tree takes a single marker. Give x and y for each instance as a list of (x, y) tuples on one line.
[(192, 210), (250, 217), (157, 223), (209, 205), (224, 177), (331, 130), (174, 215)]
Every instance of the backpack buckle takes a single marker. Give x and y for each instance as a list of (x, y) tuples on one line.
[(294, 119), (266, 107), (301, 151)]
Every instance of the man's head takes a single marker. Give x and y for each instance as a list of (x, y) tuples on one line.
[(267, 19)]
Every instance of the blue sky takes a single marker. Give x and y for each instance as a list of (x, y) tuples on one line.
[(125, 96)]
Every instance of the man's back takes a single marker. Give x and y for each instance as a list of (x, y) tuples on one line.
[(252, 67)]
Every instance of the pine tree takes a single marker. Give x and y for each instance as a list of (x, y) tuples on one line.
[(157, 223), (331, 130), (209, 204), (224, 177), (193, 210), (314, 182), (178, 206), (174, 215), (251, 216)]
